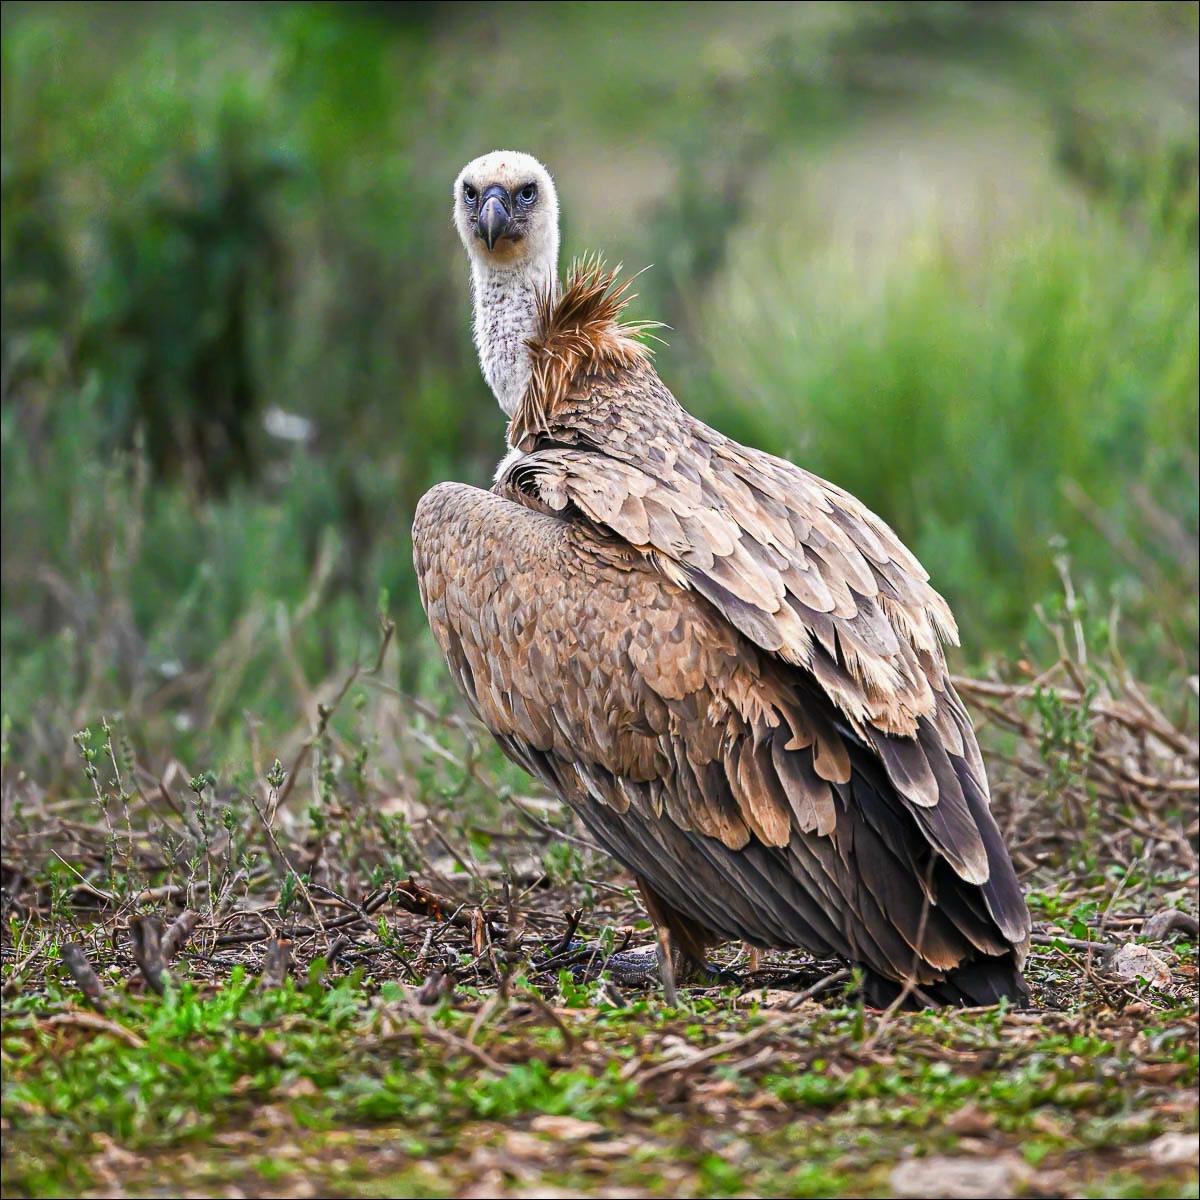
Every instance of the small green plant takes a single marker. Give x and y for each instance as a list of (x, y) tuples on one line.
[(1066, 738), (564, 863)]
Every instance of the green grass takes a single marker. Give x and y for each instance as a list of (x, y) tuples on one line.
[(271, 1082)]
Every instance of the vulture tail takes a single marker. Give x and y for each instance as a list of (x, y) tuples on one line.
[(977, 984)]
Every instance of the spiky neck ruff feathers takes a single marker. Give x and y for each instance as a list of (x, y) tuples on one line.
[(577, 332)]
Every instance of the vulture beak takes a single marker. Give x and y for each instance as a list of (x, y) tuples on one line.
[(494, 215)]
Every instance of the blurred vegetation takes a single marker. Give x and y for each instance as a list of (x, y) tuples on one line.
[(944, 254)]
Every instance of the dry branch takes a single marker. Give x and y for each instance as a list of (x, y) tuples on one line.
[(76, 961), (276, 962), (146, 936)]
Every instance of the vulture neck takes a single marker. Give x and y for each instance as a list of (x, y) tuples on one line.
[(506, 316)]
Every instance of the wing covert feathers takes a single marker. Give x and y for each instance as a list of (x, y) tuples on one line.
[(731, 669), (796, 564)]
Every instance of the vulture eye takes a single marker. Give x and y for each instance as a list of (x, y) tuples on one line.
[(528, 193), (470, 193)]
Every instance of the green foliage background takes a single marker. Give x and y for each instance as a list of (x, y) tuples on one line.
[(943, 254)]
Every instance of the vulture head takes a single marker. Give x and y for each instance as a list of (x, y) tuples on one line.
[(506, 212)]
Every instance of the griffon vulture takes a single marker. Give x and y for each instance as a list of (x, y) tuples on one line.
[(730, 669)]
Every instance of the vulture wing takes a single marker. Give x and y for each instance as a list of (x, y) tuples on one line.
[(691, 754), (865, 632)]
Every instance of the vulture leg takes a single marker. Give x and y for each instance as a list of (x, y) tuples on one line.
[(588, 961), (689, 940), (666, 968), (636, 968), (676, 935), (682, 944), (632, 968)]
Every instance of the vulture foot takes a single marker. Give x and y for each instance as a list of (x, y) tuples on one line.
[(637, 968), (708, 974), (588, 960)]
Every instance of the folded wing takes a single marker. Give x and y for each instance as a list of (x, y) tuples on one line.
[(706, 763)]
